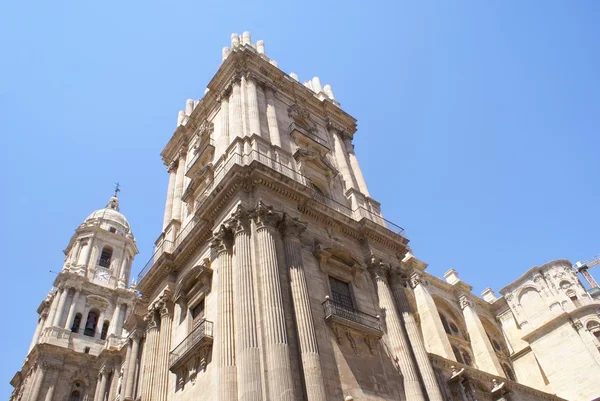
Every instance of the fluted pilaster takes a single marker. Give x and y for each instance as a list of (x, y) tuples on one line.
[(224, 135), (38, 330), (101, 394), (309, 351), (64, 293), (222, 243), (130, 364), (72, 309), (247, 353), (170, 192), (274, 134), (340, 155), (253, 113), (149, 355), (38, 382), (161, 386), (280, 385), (179, 179), (235, 110), (395, 334), (414, 336), (358, 175), (52, 378)]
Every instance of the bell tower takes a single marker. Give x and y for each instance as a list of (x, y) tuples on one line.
[(82, 317)]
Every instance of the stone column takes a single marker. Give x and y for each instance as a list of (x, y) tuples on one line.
[(72, 308), (52, 377), (64, 293), (149, 355), (434, 336), (114, 322), (358, 176), (483, 351), (309, 351), (100, 323), (395, 335), (170, 191), (161, 385), (126, 364), (278, 369), (53, 307), (132, 356), (247, 353), (38, 382), (226, 335), (272, 117), (339, 153), (414, 336), (101, 395), (244, 102), (75, 252), (38, 330), (224, 137), (235, 110), (88, 251), (253, 113), (177, 202)]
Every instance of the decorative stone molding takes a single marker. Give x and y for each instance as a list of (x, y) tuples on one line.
[(322, 255), (239, 220), (150, 319), (301, 117), (464, 301), (416, 278)]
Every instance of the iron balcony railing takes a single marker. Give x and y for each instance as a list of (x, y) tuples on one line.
[(335, 310), (202, 333)]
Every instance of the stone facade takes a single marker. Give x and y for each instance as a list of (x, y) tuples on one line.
[(276, 277)]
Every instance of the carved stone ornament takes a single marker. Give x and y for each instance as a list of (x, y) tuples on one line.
[(322, 255), (378, 269), (222, 240), (291, 226), (464, 301), (416, 279), (577, 325), (239, 220), (301, 117), (265, 216), (150, 319)]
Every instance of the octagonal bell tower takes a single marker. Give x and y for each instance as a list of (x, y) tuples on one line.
[(80, 324)]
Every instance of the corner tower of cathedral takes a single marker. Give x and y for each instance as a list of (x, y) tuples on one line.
[(276, 277)]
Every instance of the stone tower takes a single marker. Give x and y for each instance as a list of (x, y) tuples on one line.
[(275, 276), (82, 317)]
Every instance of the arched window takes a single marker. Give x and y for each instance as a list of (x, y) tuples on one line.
[(509, 373), (75, 396), (76, 323), (104, 330), (467, 358), (571, 294), (90, 324), (105, 257), (445, 324)]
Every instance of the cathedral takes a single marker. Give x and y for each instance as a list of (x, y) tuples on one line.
[(277, 278)]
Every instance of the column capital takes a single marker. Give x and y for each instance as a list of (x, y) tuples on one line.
[(239, 221), (265, 216), (291, 227), (150, 319), (417, 278), (464, 301), (378, 269), (222, 240), (224, 95), (164, 303)]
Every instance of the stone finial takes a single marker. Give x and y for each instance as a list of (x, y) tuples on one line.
[(235, 40), (349, 398), (316, 85), (294, 76), (206, 91), (246, 40), (260, 46), (274, 63), (328, 91), (180, 117), (488, 295), (189, 107), (451, 277), (308, 84), (225, 53)]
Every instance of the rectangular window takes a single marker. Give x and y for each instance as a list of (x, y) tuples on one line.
[(340, 293), (198, 313)]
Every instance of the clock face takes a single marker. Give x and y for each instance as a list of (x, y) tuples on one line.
[(103, 276)]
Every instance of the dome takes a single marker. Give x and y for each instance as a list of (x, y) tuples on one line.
[(110, 218)]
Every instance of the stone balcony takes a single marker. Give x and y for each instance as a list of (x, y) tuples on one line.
[(351, 319), (194, 345)]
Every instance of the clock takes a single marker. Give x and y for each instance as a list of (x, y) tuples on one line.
[(102, 276)]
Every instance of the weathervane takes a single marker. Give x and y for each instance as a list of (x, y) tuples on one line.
[(117, 189)]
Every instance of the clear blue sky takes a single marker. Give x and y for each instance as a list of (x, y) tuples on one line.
[(478, 123)]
